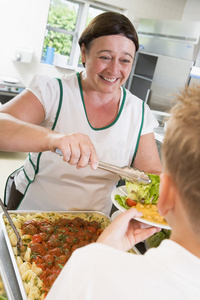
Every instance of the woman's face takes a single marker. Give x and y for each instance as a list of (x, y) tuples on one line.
[(108, 62)]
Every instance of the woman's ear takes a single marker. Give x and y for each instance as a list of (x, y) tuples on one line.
[(83, 53), (166, 195)]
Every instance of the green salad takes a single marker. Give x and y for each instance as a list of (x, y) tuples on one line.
[(139, 193)]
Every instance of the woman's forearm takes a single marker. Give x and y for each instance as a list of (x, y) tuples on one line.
[(17, 135)]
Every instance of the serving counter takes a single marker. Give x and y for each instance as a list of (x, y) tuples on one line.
[(8, 267)]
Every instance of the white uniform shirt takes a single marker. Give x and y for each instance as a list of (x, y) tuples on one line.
[(47, 182), (97, 272)]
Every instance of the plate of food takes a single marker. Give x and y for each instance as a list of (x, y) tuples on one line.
[(144, 198)]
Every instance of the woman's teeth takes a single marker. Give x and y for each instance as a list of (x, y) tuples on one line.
[(108, 79)]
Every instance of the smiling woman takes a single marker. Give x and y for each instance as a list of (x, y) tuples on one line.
[(89, 116), (112, 57), (109, 63)]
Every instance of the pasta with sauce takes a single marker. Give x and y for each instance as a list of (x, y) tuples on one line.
[(49, 240)]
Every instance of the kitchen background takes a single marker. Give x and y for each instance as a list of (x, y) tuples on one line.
[(23, 26)]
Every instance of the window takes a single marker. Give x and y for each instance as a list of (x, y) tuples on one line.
[(66, 21)]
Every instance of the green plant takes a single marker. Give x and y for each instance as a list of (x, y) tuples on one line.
[(61, 15)]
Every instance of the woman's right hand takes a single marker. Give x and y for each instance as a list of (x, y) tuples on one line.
[(20, 121), (77, 149)]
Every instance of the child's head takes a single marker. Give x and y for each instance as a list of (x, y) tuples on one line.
[(181, 150)]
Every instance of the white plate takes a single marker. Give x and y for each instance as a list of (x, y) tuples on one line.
[(115, 214), (122, 192), (10, 80)]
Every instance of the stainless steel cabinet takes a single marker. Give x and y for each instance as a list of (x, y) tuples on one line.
[(156, 78), (140, 79), (168, 51), (171, 75)]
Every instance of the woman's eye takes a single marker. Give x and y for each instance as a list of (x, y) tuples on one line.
[(125, 61), (104, 57)]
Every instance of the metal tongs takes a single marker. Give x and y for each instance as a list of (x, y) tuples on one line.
[(19, 240), (126, 173)]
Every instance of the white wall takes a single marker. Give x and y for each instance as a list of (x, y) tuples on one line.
[(192, 11), (22, 25), (23, 22), (154, 9)]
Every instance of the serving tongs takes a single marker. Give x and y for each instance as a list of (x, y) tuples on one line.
[(19, 240), (126, 173)]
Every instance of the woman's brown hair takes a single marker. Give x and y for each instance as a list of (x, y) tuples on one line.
[(109, 23)]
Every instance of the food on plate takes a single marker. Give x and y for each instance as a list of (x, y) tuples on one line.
[(50, 239), (143, 198), (139, 193), (144, 194), (150, 213)]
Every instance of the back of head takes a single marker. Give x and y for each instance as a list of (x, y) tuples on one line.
[(181, 151), (109, 23)]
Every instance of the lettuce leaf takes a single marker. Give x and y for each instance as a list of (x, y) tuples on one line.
[(145, 194), (122, 201), (148, 193)]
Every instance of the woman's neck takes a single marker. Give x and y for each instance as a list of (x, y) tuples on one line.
[(101, 108)]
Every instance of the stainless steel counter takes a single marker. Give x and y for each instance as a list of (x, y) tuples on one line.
[(159, 133), (159, 136), (8, 268)]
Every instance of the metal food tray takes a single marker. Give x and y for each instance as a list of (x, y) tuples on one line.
[(6, 285), (10, 249)]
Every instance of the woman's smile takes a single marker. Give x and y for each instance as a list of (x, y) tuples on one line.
[(109, 79), (108, 63)]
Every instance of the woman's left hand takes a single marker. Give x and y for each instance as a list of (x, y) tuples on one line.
[(124, 232)]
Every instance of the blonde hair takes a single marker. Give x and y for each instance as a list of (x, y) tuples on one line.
[(181, 150)]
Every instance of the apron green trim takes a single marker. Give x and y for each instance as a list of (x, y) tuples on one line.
[(139, 134), (32, 163), (119, 112), (40, 153), (29, 180), (55, 121), (60, 103), (6, 185)]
